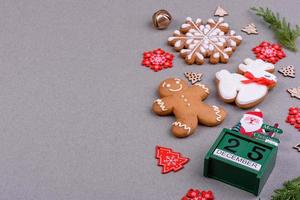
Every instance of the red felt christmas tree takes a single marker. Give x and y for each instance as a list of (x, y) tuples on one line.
[(169, 159)]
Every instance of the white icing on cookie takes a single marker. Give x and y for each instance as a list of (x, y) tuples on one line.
[(216, 55), (203, 86), (182, 125), (199, 56), (258, 68), (188, 19), (264, 74), (177, 43), (171, 87), (256, 65), (231, 87), (185, 25), (217, 111), (250, 87), (202, 39), (161, 104)]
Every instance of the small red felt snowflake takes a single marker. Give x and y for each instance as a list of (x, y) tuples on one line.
[(293, 117), (157, 59), (269, 52), (169, 159), (195, 194)]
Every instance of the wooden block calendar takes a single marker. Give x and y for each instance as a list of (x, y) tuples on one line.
[(240, 161)]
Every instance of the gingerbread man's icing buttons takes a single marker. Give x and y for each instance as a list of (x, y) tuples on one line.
[(186, 103)]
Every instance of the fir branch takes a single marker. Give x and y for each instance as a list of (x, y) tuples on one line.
[(285, 35), (290, 191)]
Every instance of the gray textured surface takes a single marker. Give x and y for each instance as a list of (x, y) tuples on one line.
[(75, 103)]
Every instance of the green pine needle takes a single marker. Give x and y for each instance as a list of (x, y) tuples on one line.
[(285, 35), (290, 191)]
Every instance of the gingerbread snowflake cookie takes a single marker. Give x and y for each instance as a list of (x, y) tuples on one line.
[(186, 103), (248, 87), (197, 40)]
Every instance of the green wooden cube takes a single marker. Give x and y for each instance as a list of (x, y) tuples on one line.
[(240, 161)]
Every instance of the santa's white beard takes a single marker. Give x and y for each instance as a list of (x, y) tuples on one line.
[(251, 127)]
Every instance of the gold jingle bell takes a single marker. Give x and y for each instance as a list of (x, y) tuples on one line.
[(161, 19)]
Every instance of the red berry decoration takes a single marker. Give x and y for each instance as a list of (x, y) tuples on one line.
[(297, 126), (271, 53), (195, 194), (169, 159), (158, 59), (293, 117)]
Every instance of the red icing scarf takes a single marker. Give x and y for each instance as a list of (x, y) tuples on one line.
[(261, 80)]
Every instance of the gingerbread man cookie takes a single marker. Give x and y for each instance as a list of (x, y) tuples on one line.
[(185, 102), (249, 86)]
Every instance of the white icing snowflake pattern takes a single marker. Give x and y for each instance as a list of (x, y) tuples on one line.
[(198, 40), (171, 160)]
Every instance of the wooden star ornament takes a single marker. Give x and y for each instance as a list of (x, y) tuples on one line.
[(220, 12), (295, 92), (250, 29), (297, 147)]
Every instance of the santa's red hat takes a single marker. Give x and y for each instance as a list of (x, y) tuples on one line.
[(256, 112)]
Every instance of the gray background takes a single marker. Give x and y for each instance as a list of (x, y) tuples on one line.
[(76, 120)]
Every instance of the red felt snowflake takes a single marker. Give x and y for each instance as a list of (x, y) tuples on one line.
[(293, 117), (169, 159), (157, 59), (269, 52), (198, 195)]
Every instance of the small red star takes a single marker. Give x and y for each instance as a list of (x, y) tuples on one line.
[(271, 53), (157, 59)]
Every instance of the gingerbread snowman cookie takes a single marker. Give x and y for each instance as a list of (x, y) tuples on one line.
[(186, 103), (249, 86)]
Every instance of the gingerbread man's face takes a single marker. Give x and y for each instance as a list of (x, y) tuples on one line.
[(171, 86)]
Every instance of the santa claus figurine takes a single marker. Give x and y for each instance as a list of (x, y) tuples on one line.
[(251, 122)]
